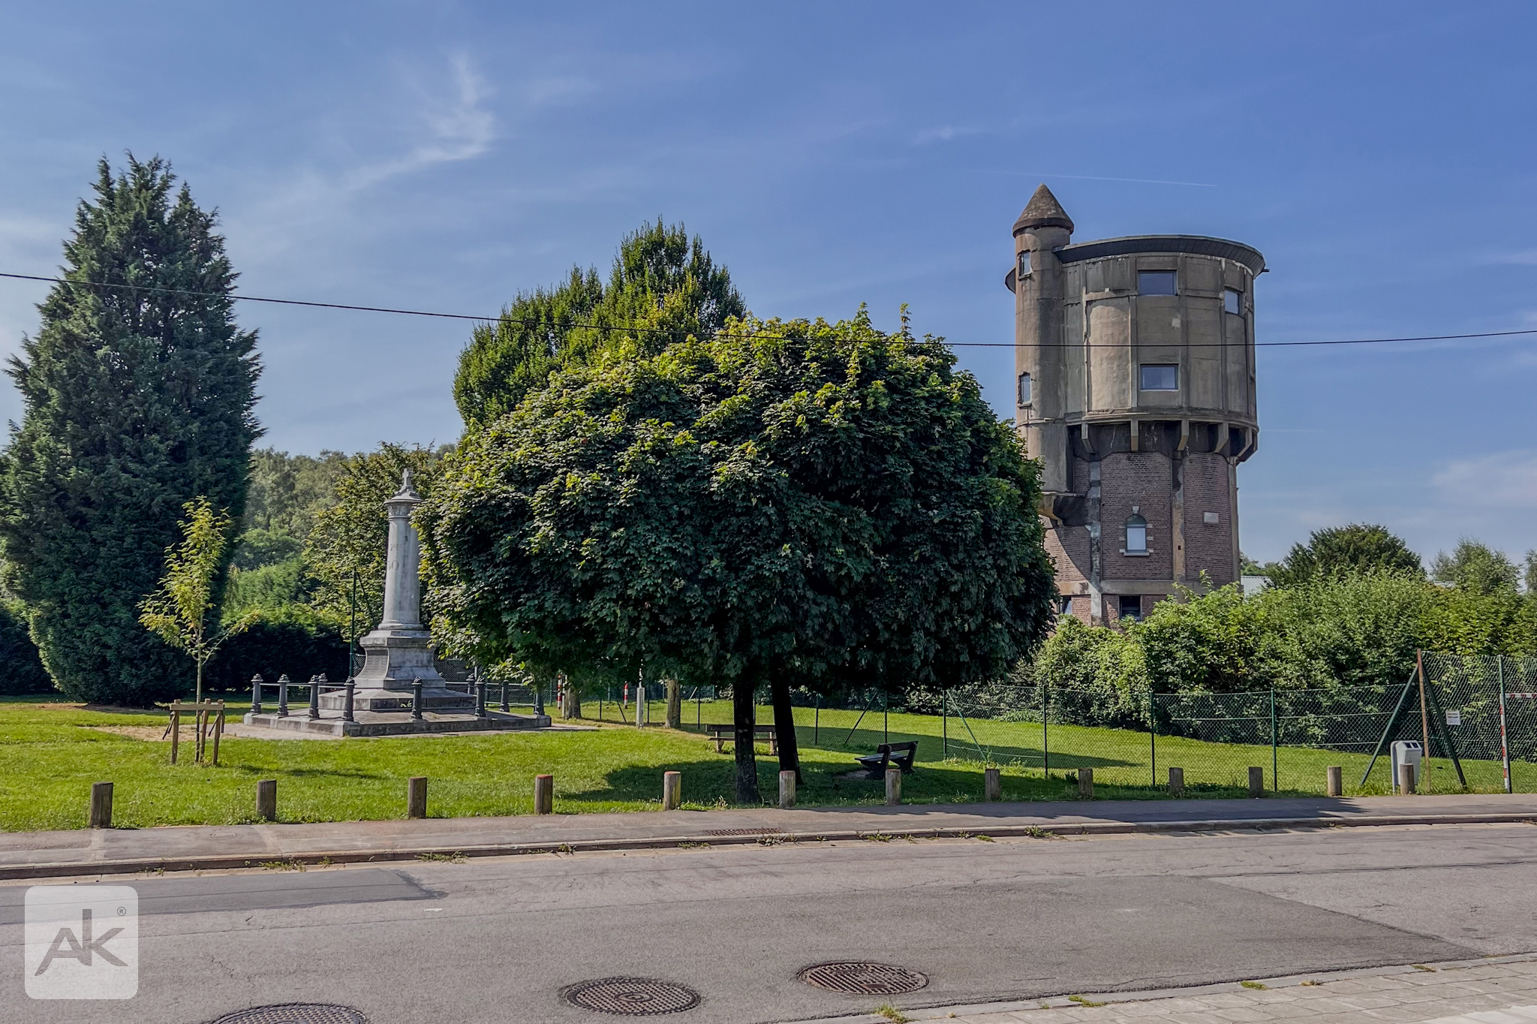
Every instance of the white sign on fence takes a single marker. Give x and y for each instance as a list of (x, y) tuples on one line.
[(1454, 718)]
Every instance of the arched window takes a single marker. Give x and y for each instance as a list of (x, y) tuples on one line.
[(1136, 536)]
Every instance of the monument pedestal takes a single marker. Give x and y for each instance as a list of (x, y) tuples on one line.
[(394, 659)]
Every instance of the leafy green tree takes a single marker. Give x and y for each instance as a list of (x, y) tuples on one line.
[(1476, 568), (787, 504), (1529, 574), (657, 267), (1342, 549), (183, 611), (137, 392), (349, 539)]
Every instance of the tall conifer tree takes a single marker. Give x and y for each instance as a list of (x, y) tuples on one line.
[(138, 392)]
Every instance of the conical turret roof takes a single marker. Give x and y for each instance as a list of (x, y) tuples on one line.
[(1043, 211)]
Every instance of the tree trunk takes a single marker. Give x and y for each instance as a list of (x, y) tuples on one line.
[(746, 760), (784, 730), (674, 705)]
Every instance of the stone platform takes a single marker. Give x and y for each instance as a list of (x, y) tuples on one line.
[(374, 723)]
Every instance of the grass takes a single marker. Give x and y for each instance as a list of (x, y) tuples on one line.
[(51, 752)]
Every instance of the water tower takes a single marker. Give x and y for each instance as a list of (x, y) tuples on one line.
[(1135, 390)]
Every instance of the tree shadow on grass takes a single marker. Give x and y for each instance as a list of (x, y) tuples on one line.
[(931, 749)]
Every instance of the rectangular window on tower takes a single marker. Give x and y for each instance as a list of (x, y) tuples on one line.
[(1155, 282), (1232, 300), (1024, 264), (1025, 391), (1160, 377)]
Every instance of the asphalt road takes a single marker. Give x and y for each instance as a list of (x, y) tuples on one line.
[(496, 940)]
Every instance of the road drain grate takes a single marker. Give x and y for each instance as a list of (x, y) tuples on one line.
[(744, 832), (862, 978), (295, 1013), (642, 997)]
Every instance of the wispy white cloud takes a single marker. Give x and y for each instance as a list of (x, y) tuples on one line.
[(1500, 479), (458, 127)]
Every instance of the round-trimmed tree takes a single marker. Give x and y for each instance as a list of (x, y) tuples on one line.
[(787, 504)]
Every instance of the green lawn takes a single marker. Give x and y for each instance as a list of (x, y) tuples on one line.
[(51, 753)]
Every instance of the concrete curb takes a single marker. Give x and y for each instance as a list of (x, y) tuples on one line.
[(225, 862), (1063, 1002)]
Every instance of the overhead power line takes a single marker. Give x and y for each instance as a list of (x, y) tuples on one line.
[(645, 328)]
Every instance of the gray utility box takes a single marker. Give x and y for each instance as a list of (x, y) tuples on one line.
[(1408, 752)]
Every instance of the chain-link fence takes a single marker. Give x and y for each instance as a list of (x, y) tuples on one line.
[(1478, 709)]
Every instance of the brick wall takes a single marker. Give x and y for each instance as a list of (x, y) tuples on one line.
[(1208, 547), (1144, 480)]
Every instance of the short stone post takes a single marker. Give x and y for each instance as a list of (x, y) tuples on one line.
[(544, 794), (480, 695), (267, 799), (1406, 780), (1335, 785), (1256, 782), (256, 694), (349, 713), (992, 784), (786, 790), (283, 685), (416, 797), (1176, 782), (504, 705), (314, 696), (893, 786), (417, 701), (672, 790), (1086, 783), (101, 805)]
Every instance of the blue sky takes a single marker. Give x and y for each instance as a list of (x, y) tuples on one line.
[(446, 156)]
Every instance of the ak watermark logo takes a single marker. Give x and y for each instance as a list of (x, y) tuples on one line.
[(82, 942)]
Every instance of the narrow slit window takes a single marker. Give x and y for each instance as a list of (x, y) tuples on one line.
[(1160, 377), (1232, 300), (1024, 264), (1136, 536), (1026, 394), (1155, 282)]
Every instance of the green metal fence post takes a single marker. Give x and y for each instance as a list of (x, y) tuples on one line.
[(1275, 760), (1504, 743), (944, 719), (1045, 736), (1152, 736)]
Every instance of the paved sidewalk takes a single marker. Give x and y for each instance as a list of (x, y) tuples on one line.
[(52, 854), (1498, 991)]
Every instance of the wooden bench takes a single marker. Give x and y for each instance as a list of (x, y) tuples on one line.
[(886, 756), (723, 734)]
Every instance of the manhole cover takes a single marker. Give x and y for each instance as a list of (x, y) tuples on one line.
[(635, 996), (295, 1013), (862, 978), (744, 832)]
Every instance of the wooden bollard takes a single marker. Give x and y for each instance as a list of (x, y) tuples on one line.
[(786, 789), (1176, 782), (101, 805), (992, 785), (672, 790), (1405, 780), (893, 786), (1256, 782), (544, 794), (416, 797), (1335, 784), (267, 799), (1086, 783)]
